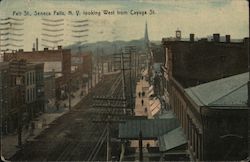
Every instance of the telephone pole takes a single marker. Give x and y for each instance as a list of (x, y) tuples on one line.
[(18, 68), (69, 91)]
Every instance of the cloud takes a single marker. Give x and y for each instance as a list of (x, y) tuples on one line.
[(193, 16)]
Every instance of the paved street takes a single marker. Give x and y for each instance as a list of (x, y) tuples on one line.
[(72, 136)]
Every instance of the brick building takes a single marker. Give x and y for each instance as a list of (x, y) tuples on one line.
[(213, 116), (205, 84), (83, 68), (28, 97), (4, 95), (49, 90), (195, 62), (56, 61), (34, 90)]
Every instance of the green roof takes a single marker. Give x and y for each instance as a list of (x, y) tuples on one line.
[(150, 128), (230, 91)]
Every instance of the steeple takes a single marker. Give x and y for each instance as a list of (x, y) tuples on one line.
[(146, 39)]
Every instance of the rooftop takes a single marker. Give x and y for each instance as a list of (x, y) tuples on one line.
[(230, 91)]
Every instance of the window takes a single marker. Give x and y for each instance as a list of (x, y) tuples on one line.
[(33, 77), (28, 95), (30, 78)]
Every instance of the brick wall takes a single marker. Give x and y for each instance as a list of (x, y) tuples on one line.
[(194, 63)]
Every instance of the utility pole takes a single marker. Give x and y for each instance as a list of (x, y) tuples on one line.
[(102, 61), (140, 147), (97, 60), (131, 50), (69, 89), (18, 68), (108, 141), (19, 83), (130, 78), (109, 103), (123, 76)]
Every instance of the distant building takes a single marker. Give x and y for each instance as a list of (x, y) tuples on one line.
[(56, 61), (83, 66), (49, 90)]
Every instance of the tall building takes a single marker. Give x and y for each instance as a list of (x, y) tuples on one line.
[(4, 95), (195, 62), (21, 91), (206, 85)]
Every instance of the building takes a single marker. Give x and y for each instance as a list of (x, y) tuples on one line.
[(213, 116), (56, 61), (49, 90), (83, 68), (21, 92), (4, 95), (194, 62), (34, 90), (206, 86)]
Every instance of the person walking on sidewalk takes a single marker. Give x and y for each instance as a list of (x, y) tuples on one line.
[(142, 102), (143, 93)]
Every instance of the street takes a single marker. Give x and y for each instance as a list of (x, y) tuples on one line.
[(72, 136)]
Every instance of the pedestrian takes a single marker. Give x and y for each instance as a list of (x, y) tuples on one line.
[(142, 102), (143, 94), (57, 105)]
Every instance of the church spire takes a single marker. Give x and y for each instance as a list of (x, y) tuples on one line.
[(146, 39), (146, 33)]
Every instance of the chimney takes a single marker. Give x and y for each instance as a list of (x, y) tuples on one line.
[(36, 44), (246, 41), (216, 37), (227, 38), (46, 49), (59, 47), (191, 37)]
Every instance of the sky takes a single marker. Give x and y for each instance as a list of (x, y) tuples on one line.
[(201, 17)]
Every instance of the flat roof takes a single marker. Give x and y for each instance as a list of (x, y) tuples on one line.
[(150, 128)]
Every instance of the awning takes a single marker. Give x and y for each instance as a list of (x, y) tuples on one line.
[(150, 91), (150, 128), (172, 139), (167, 115), (155, 106), (145, 72)]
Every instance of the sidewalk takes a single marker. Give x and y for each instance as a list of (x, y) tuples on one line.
[(9, 142), (142, 110)]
